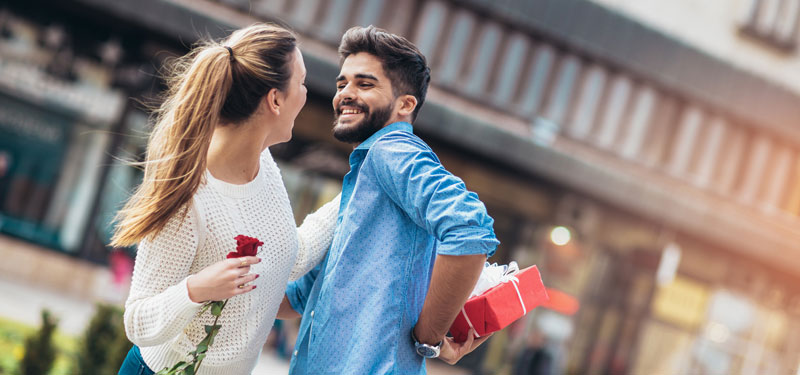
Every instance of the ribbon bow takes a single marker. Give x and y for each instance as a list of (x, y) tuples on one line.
[(491, 276)]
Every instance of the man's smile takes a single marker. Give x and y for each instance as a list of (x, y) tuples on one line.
[(349, 113)]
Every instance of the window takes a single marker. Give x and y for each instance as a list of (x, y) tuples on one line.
[(773, 21)]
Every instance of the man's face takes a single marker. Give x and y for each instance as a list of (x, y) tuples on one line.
[(364, 102)]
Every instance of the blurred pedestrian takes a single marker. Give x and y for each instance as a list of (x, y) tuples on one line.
[(535, 358), (5, 163), (208, 178)]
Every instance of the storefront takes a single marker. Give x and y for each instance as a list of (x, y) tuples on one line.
[(33, 142), (652, 301), (61, 104)]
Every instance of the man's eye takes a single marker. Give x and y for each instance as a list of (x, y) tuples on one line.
[(366, 84), (340, 87)]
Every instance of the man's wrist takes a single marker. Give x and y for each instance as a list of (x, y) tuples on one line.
[(425, 349), (426, 336)]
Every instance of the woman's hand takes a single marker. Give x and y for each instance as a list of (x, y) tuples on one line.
[(222, 280)]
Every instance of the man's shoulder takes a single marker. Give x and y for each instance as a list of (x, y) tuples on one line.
[(398, 141)]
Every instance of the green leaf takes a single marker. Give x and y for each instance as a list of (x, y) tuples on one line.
[(191, 368), (216, 308), (212, 329), (205, 307), (184, 366), (176, 368)]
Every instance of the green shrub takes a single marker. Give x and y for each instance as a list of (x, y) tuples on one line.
[(104, 345), (39, 350)]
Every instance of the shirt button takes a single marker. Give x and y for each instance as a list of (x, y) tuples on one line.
[(295, 353), (312, 314)]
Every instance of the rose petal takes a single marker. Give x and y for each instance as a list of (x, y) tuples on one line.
[(245, 246)]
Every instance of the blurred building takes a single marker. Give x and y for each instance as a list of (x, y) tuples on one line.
[(663, 135)]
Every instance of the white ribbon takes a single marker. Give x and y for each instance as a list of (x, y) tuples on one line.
[(474, 331), (491, 276)]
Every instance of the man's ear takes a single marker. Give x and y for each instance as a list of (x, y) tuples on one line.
[(273, 101), (406, 105)]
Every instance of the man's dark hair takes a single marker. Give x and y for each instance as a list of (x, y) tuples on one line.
[(402, 61)]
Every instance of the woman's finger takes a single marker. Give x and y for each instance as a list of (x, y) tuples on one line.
[(241, 271), (238, 262), (245, 261), (244, 279), (242, 289)]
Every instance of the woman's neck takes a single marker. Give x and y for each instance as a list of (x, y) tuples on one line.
[(234, 153)]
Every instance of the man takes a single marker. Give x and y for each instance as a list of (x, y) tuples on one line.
[(410, 242)]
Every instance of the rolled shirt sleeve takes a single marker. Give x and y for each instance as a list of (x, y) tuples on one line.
[(298, 292), (414, 178)]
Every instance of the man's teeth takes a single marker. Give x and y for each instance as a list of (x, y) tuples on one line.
[(350, 111)]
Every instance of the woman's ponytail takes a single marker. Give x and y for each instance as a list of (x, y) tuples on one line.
[(214, 84), (176, 152)]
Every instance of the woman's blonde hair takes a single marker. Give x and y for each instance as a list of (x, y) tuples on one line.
[(216, 83)]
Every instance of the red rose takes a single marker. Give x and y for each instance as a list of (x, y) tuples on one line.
[(245, 246)]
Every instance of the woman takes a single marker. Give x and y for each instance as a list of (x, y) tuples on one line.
[(208, 178)]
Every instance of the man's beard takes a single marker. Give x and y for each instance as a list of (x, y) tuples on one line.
[(360, 131)]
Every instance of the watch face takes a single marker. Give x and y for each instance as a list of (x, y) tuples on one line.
[(426, 351)]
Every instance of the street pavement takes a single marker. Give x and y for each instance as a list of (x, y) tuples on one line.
[(23, 302)]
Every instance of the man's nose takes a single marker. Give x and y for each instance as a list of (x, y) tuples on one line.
[(346, 93)]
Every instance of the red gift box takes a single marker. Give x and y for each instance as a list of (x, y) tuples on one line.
[(500, 306)]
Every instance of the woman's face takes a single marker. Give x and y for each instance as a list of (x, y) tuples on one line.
[(295, 97)]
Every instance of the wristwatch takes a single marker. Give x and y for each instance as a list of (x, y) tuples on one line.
[(425, 350)]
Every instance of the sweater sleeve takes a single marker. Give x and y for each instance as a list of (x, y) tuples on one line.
[(314, 237), (158, 306)]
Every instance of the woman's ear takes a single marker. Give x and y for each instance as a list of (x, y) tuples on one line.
[(274, 101), (406, 105)]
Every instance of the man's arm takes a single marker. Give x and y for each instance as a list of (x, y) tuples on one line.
[(286, 311), (454, 277), (434, 199), (297, 293)]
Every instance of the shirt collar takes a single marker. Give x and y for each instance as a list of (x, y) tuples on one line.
[(401, 126)]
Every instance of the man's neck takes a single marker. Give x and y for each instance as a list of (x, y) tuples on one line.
[(355, 145)]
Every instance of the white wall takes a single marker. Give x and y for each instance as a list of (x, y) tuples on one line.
[(713, 26)]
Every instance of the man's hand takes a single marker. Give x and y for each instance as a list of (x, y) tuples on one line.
[(452, 351)]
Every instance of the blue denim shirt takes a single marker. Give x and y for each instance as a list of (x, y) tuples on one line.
[(399, 209)]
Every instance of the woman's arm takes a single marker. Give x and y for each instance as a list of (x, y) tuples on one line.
[(158, 306), (314, 237)]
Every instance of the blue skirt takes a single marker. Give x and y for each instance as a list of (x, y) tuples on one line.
[(134, 364)]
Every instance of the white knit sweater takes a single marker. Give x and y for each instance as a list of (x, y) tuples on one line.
[(159, 316)]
